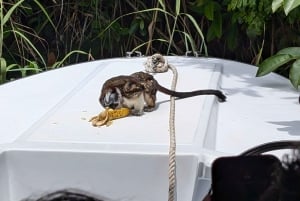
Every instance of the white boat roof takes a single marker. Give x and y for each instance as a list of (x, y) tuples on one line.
[(54, 108), (47, 143)]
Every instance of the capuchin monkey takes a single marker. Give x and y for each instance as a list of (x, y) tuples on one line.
[(138, 93)]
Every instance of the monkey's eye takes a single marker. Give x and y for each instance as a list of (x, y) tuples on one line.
[(113, 97)]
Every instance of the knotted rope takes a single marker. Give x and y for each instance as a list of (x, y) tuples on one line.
[(158, 64)]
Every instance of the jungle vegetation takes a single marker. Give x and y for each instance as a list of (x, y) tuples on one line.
[(38, 35)]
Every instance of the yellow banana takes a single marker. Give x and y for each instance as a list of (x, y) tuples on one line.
[(106, 116)]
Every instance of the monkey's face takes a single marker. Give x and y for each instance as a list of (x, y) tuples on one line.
[(111, 98)]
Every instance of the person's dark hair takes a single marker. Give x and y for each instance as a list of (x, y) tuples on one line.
[(291, 177), (287, 182), (66, 195)]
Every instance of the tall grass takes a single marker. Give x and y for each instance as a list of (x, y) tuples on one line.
[(175, 28), (23, 51), (41, 35), (10, 28)]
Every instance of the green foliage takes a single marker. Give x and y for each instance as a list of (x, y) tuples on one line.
[(235, 29), (2, 70), (288, 5), (60, 63), (295, 73), (253, 14), (9, 28), (39, 35), (21, 48), (287, 57), (213, 13), (177, 26), (272, 63)]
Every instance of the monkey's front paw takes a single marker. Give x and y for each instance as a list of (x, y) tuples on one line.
[(137, 112), (149, 109)]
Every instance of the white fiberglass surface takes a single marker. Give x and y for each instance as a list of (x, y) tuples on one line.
[(258, 109), (114, 176), (68, 120), (4, 181), (26, 101), (55, 107)]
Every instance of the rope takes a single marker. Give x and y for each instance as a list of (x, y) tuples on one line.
[(172, 149), (158, 64)]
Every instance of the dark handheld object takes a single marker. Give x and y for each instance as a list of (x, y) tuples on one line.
[(255, 177)]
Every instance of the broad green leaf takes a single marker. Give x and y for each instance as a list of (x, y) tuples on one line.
[(276, 4), (289, 5), (272, 63), (10, 11), (209, 10), (218, 25), (215, 29), (295, 73), (293, 51), (210, 33)]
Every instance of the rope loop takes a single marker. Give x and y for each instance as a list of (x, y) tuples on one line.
[(156, 64)]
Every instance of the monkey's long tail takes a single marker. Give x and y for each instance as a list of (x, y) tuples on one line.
[(218, 93)]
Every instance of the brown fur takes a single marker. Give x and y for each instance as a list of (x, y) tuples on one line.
[(131, 88)]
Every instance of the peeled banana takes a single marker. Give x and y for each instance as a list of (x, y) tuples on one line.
[(106, 116)]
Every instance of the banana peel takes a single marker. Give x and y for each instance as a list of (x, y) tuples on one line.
[(106, 116)]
